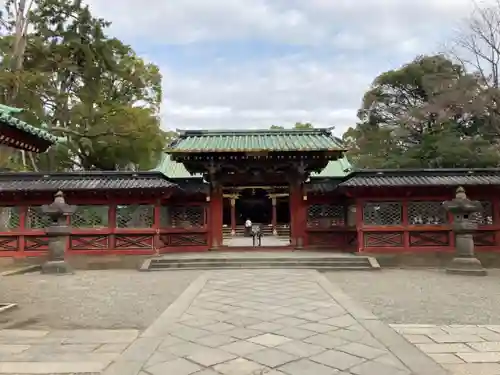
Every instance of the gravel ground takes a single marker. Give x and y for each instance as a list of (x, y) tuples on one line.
[(120, 299), (424, 296), (112, 299)]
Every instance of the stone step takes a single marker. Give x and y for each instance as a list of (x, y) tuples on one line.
[(212, 267), (341, 262), (264, 233), (265, 229), (280, 238)]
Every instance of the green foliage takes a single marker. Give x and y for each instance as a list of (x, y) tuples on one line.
[(298, 125), (88, 87), (426, 114)]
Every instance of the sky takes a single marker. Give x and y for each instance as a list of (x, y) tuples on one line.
[(246, 64)]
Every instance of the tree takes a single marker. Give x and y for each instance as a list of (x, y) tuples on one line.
[(477, 48), (303, 125), (15, 19), (16, 23), (477, 44), (372, 147), (424, 114), (297, 125), (90, 89)]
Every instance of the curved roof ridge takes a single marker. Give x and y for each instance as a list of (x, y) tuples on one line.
[(210, 132)]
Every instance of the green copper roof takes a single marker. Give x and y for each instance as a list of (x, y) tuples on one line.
[(173, 169), (7, 117), (255, 140), (335, 168)]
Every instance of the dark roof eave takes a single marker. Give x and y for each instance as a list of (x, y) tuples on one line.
[(394, 175), (85, 181), (77, 174), (422, 171), (27, 129), (176, 152), (201, 132)]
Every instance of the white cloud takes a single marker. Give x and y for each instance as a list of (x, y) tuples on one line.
[(279, 92), (295, 21), (351, 42)]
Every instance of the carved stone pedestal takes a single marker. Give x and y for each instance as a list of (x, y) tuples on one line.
[(466, 266), (56, 267)]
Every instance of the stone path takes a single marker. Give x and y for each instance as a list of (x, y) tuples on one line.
[(269, 322), (255, 322), (463, 349), (61, 352)]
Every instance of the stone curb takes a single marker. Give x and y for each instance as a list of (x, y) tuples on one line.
[(22, 270), (176, 309), (412, 357), (374, 263), (141, 349)]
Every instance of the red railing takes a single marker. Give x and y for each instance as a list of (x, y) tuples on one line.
[(23, 241)]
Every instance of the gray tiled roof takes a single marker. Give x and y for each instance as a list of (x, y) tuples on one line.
[(423, 177), (323, 185), (83, 181), (192, 186)]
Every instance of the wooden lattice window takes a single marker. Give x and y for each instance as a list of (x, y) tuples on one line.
[(325, 215), (382, 213), (91, 216), (426, 213), (182, 216), (10, 218), (36, 219), (134, 216), (485, 216)]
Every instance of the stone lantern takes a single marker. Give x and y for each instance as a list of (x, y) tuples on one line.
[(58, 232), (462, 208)]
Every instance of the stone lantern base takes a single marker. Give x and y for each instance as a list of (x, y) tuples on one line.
[(54, 267), (466, 266)]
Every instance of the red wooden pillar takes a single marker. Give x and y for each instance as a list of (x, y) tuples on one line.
[(451, 233), (156, 226), (22, 227), (359, 225), (215, 212), (233, 216), (406, 233), (297, 215), (274, 220), (293, 217), (112, 226), (496, 221)]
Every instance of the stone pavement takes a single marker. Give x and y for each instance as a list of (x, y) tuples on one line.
[(249, 322), (273, 322), (61, 352), (463, 349)]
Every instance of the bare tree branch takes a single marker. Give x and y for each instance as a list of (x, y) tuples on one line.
[(478, 43), (75, 133)]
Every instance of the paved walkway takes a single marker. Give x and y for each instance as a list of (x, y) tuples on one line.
[(463, 349), (255, 322), (269, 322), (61, 352)]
